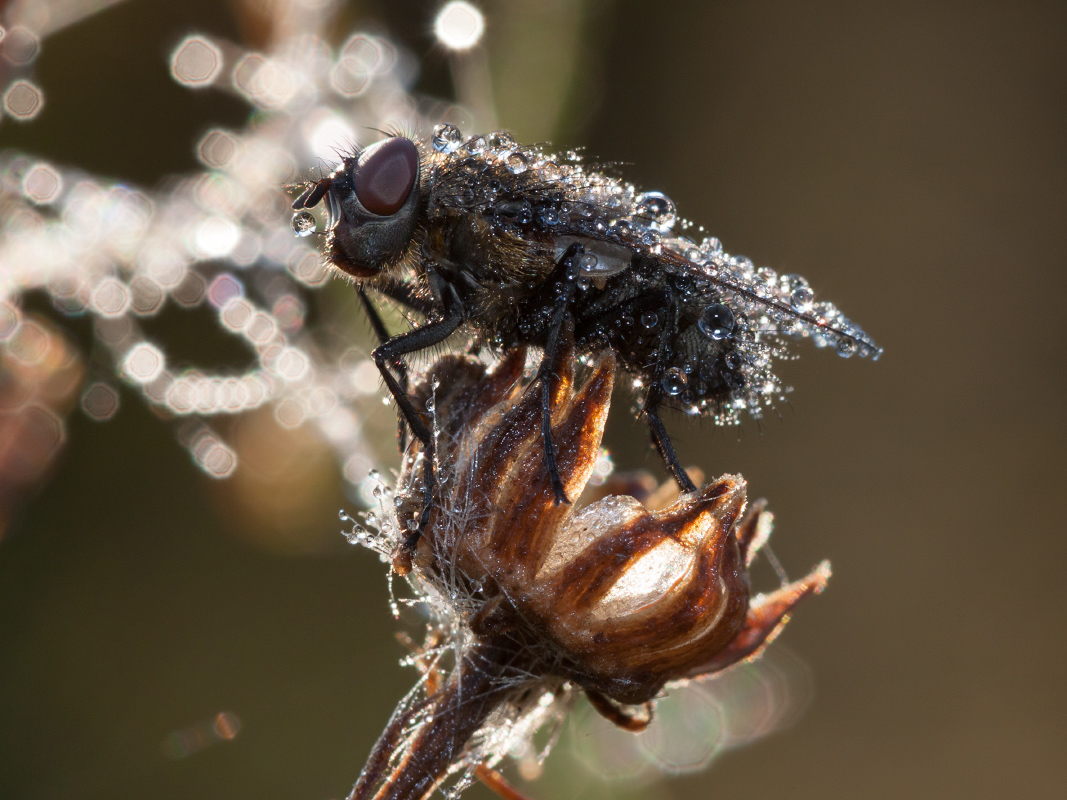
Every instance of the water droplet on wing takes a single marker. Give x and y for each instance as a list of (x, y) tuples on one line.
[(517, 163), (657, 208), (716, 321), (801, 298), (674, 381), (446, 138)]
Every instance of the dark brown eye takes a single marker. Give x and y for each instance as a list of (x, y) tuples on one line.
[(384, 180)]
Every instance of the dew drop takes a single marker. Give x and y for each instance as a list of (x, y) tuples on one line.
[(475, 145), (516, 163), (674, 381), (845, 347), (801, 298), (549, 171), (588, 262), (657, 208), (549, 216), (716, 321), (649, 321), (711, 247), (501, 140), (446, 138), (303, 223)]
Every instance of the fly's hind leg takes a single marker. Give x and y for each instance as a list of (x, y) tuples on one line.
[(655, 398), (663, 442), (569, 266)]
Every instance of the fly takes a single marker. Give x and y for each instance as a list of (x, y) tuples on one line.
[(517, 244)]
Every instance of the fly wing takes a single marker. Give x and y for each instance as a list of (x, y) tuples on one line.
[(784, 304)]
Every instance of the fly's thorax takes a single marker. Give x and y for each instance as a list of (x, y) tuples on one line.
[(484, 265)]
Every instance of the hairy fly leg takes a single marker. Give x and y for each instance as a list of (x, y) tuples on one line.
[(662, 441), (654, 398), (382, 334), (406, 295), (391, 351), (567, 268)]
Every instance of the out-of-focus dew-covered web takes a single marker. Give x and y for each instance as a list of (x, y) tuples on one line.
[(220, 239)]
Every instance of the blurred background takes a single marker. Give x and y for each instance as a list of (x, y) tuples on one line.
[(164, 633)]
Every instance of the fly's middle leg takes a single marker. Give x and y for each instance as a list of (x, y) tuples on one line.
[(565, 289)]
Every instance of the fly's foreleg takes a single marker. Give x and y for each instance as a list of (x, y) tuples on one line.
[(388, 354), (382, 334)]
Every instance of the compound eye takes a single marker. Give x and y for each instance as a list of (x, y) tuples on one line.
[(386, 175)]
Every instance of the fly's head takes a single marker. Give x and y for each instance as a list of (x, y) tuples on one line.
[(372, 203)]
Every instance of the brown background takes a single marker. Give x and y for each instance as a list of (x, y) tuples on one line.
[(909, 159)]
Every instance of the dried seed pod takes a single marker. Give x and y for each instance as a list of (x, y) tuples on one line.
[(540, 599)]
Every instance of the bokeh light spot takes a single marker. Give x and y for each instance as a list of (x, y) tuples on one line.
[(100, 402), (357, 467), (361, 57), (265, 82), (330, 138), (237, 314), (214, 457), (216, 237), (224, 289), (143, 363), (9, 321), (19, 46), (289, 311), (261, 328), (42, 183), (146, 296), (292, 364), (308, 268), (23, 100), (111, 298), (43, 434), (687, 733), (226, 725), (196, 62), (191, 290), (366, 379), (30, 343), (290, 413), (217, 149), (188, 741), (459, 25), (181, 396)]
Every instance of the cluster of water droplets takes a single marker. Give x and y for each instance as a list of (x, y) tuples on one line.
[(750, 313)]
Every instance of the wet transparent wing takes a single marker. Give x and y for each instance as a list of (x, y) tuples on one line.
[(787, 301)]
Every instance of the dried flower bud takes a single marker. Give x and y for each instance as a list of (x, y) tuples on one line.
[(539, 598), (612, 596)]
